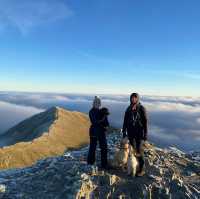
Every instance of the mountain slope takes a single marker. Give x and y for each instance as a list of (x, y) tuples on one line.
[(30, 128), (43, 135), (170, 174)]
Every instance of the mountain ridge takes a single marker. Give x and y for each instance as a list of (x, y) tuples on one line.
[(32, 126), (51, 138), (54, 165)]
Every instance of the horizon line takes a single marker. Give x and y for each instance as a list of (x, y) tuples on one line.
[(95, 93)]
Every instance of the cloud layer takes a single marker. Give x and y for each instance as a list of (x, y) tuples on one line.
[(12, 114), (172, 120), (27, 14)]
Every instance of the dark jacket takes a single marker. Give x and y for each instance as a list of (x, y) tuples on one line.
[(99, 122), (135, 122)]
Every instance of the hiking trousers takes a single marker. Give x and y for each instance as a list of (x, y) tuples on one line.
[(101, 139)]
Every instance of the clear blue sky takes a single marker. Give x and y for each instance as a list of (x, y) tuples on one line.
[(100, 46)]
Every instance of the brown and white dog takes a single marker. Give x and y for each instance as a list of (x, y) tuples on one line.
[(132, 164), (121, 156)]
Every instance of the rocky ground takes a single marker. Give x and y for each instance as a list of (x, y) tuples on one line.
[(170, 173)]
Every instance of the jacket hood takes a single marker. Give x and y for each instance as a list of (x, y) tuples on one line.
[(135, 95)]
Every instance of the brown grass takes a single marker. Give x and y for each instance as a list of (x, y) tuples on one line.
[(69, 130)]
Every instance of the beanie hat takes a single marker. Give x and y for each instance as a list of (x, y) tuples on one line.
[(96, 102)]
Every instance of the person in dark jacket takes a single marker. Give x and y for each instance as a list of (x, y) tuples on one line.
[(135, 127), (97, 132)]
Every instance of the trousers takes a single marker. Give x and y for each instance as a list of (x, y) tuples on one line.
[(101, 139)]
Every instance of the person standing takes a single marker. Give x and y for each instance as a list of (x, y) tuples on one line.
[(135, 128), (97, 132)]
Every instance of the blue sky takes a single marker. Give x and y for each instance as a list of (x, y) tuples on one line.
[(100, 46)]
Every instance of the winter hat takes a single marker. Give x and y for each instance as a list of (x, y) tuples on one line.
[(135, 95), (96, 102)]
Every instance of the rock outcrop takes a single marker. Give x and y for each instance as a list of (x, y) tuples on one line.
[(170, 174)]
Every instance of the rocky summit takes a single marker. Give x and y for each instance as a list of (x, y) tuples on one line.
[(170, 174)]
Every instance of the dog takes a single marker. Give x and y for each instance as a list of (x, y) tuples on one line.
[(121, 156), (104, 112), (132, 164)]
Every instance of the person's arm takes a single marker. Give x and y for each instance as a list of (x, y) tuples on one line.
[(145, 123), (106, 122), (94, 117), (124, 129)]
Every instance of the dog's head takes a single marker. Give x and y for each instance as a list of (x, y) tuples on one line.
[(104, 111), (124, 143)]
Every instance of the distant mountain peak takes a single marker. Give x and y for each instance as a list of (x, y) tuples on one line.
[(56, 108), (56, 126)]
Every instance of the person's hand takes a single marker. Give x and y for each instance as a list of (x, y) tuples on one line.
[(124, 134)]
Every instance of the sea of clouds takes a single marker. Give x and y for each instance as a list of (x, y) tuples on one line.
[(172, 120)]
